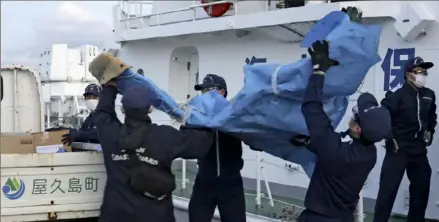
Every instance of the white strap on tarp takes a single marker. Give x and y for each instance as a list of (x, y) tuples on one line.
[(274, 80)]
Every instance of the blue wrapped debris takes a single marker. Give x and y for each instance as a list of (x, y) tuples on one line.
[(266, 112), (159, 98)]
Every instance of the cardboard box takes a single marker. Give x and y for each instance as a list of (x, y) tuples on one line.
[(21, 143), (49, 142), (24, 143)]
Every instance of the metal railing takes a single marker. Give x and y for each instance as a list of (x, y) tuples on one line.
[(131, 11), (290, 210), (260, 176), (128, 12)]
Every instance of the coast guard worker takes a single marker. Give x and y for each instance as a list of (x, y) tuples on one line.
[(138, 156), (413, 111), (218, 182), (87, 132), (342, 167)]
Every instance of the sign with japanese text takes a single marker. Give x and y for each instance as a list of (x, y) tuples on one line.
[(393, 66), (33, 189)]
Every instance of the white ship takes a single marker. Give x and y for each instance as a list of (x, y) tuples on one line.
[(176, 43)]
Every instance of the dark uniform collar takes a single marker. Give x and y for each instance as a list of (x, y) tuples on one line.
[(410, 88)]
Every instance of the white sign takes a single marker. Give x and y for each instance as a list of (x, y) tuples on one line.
[(57, 188)]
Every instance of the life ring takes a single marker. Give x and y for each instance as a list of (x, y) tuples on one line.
[(216, 10)]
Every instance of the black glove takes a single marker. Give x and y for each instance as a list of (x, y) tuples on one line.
[(300, 140), (70, 137), (354, 14), (428, 138), (319, 52)]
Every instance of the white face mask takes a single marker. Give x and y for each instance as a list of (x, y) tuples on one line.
[(420, 80), (91, 104)]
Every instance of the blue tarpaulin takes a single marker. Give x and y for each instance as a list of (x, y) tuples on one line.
[(266, 112)]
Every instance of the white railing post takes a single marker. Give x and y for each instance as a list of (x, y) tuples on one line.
[(194, 10), (48, 114), (267, 185), (359, 213), (258, 181), (117, 12), (158, 12), (236, 7), (128, 11), (183, 174)]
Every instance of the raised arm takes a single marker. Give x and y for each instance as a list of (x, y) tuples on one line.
[(324, 141), (106, 121)]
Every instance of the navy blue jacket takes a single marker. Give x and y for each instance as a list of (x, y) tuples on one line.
[(413, 112), (342, 167), (223, 161), (121, 202), (87, 133)]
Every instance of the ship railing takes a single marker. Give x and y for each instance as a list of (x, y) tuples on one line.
[(290, 211), (132, 15), (261, 177)]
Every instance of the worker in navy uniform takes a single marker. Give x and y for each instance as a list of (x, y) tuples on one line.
[(413, 111), (218, 182), (87, 132), (138, 156), (342, 167)]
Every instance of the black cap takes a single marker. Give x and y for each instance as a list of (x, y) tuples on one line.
[(416, 62), (211, 80), (374, 120), (92, 89)]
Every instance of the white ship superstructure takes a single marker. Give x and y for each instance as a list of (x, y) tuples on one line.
[(178, 43), (64, 75)]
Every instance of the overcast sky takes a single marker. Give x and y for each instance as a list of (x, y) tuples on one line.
[(29, 27)]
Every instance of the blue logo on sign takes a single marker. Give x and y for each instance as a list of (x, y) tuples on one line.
[(393, 66), (13, 188), (255, 60)]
